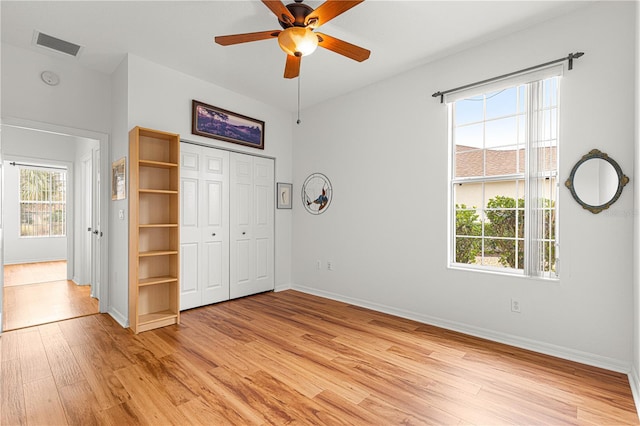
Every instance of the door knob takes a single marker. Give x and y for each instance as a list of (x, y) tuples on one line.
[(213, 235), (244, 233)]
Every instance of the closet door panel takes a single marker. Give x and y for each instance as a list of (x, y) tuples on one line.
[(205, 224), (190, 294), (252, 204), (190, 283), (263, 226), (214, 283), (215, 229)]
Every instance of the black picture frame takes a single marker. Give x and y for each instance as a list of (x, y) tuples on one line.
[(218, 123)]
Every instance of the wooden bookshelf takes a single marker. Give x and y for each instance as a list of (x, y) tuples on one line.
[(154, 233)]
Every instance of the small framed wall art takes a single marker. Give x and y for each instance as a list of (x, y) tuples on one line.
[(284, 195), (218, 123), (119, 179)]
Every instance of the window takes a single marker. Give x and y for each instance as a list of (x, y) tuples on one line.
[(504, 179), (43, 202)]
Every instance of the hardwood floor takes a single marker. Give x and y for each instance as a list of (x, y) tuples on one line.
[(31, 273), (288, 357), (34, 304), (38, 293)]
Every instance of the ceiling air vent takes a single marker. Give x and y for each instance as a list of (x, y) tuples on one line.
[(53, 43)]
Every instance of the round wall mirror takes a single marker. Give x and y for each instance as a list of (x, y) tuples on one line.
[(596, 181)]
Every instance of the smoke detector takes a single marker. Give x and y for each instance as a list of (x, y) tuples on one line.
[(50, 78)]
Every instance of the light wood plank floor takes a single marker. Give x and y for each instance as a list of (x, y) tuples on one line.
[(38, 293), (288, 357), (31, 273), (34, 304)]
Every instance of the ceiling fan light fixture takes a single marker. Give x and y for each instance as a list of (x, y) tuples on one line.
[(298, 41)]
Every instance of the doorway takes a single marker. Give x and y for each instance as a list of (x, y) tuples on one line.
[(52, 297)]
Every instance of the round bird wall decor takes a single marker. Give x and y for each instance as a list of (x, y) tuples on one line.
[(316, 193)]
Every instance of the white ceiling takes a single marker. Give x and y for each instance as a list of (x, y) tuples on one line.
[(179, 34)]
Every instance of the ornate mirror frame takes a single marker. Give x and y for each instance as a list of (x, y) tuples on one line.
[(622, 181)]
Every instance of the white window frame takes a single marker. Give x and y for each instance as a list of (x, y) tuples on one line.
[(48, 202), (532, 265)]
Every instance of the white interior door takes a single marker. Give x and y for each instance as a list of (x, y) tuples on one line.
[(204, 226), (86, 228), (96, 252), (251, 225)]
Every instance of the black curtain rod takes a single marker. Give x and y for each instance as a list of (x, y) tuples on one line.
[(569, 58), (13, 163)]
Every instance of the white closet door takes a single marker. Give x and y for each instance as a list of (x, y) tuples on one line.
[(190, 283), (214, 229), (252, 225), (204, 226)]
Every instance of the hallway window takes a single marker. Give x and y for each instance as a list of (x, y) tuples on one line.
[(43, 202)]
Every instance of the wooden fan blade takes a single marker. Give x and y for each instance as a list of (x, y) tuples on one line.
[(280, 10), (292, 67), (329, 10), (246, 37), (343, 48)]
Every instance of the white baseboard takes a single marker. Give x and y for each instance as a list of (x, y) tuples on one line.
[(508, 339), (634, 382), (120, 319), (282, 287)]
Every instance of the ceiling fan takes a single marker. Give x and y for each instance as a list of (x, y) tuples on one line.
[(298, 38)]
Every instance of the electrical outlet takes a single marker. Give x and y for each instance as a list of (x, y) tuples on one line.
[(318, 264), (515, 305), (329, 266)]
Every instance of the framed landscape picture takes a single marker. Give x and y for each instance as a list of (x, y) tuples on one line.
[(218, 123)]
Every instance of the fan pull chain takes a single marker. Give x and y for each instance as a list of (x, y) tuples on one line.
[(298, 121)]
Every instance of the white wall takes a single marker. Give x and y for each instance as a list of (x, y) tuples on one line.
[(119, 229), (160, 98), (81, 100), (385, 150)]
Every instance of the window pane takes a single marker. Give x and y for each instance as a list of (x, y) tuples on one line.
[(469, 163), (501, 132), (468, 195), (549, 257), (469, 110), (467, 249), (550, 89), (501, 161), (502, 103), (467, 221), (470, 136), (42, 203), (500, 252)]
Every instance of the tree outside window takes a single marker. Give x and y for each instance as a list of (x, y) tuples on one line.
[(43, 203)]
